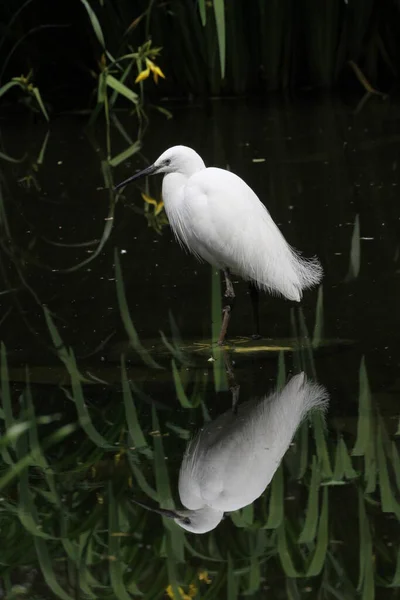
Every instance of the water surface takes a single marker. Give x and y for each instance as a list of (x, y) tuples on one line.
[(100, 435)]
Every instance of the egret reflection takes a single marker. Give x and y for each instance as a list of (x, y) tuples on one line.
[(231, 460)]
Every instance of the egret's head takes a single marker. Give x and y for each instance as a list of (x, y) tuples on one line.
[(178, 159), (197, 521)]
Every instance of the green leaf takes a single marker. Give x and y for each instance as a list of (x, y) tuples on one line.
[(95, 23), (122, 89), (4, 88), (122, 156), (203, 12), (219, 12), (39, 100)]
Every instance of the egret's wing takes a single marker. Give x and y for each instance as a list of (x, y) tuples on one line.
[(228, 220), (232, 460)]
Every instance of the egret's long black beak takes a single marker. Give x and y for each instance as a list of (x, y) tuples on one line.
[(165, 512), (148, 171)]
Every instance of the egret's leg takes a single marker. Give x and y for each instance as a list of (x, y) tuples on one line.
[(226, 311), (254, 297), (233, 385), (229, 291)]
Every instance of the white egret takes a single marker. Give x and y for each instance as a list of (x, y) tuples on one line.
[(219, 218), (232, 459)]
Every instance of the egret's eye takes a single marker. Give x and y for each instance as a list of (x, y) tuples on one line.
[(186, 521), (167, 162)]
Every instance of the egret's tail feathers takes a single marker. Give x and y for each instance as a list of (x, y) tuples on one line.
[(289, 274), (309, 271), (313, 395)]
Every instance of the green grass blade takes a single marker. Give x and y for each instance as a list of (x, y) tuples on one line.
[(30, 459), (164, 491), (355, 252), (161, 471), (141, 481), (388, 501), (219, 12), (318, 423), (284, 553), (135, 430), (84, 418), (180, 392), (39, 100), (46, 566), (122, 89), (321, 547), (302, 436), (364, 425), (125, 154), (396, 464), (5, 389), (396, 577), (232, 583), (366, 582), (318, 334), (117, 567), (203, 12), (276, 501), (4, 88), (310, 525), (126, 318), (95, 23)]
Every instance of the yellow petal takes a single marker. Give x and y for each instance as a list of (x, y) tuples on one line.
[(149, 200), (203, 576), (159, 208), (170, 593), (142, 75), (192, 590), (156, 72)]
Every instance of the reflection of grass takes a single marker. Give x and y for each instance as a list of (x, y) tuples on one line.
[(66, 506)]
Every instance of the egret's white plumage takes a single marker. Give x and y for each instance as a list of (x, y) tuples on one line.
[(231, 460), (219, 218)]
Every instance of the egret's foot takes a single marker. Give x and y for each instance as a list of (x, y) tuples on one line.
[(256, 336)]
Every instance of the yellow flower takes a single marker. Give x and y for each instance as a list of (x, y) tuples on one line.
[(182, 594), (151, 67), (203, 576), (158, 206)]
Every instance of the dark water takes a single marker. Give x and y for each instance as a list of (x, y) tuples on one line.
[(97, 437)]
